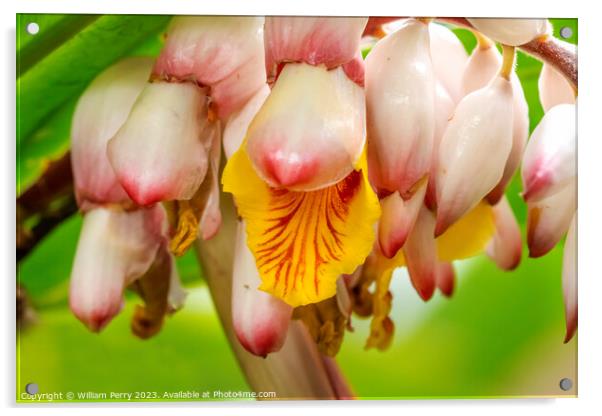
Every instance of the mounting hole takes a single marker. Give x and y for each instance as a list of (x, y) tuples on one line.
[(31, 388), (566, 384), (33, 28), (566, 32)]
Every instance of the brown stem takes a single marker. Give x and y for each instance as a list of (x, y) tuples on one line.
[(298, 371), (547, 49)]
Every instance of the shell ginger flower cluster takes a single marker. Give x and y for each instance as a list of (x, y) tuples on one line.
[(350, 149)]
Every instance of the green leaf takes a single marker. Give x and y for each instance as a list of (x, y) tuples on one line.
[(66, 70)]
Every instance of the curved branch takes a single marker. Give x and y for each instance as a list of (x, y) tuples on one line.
[(547, 49)]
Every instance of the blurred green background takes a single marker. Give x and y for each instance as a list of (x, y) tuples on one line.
[(499, 336)]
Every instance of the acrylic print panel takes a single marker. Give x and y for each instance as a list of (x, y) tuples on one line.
[(250, 208)]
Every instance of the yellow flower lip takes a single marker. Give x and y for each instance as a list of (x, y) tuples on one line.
[(303, 241)]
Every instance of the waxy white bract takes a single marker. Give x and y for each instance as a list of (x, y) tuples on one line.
[(100, 112), (549, 219), (513, 32), (482, 67), (328, 41), (161, 152), (449, 59), (260, 320), (225, 53), (473, 151), (400, 99), (506, 246), (554, 89), (550, 160), (114, 249), (310, 132)]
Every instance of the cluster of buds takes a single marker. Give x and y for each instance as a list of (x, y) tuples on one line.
[(341, 169)]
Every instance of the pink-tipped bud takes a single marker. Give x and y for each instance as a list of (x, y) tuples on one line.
[(549, 220), (449, 59), (550, 160), (569, 280), (444, 110), (224, 53), (420, 252), (512, 32), (554, 89), (397, 220), (482, 67), (161, 151), (473, 151), (114, 249), (310, 131), (100, 112), (400, 99), (446, 279), (260, 320), (327, 41), (505, 248)]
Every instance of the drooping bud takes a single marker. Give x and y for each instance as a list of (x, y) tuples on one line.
[(554, 89), (505, 248), (569, 280), (328, 41), (481, 68), (260, 320), (446, 278), (549, 162), (160, 153), (420, 252), (512, 32), (397, 219), (449, 59), (114, 249), (400, 99), (549, 220), (223, 53), (473, 151), (100, 112), (310, 131)]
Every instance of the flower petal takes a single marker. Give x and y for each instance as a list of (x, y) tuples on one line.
[(473, 151), (224, 53), (506, 246), (549, 220), (569, 280), (397, 220), (420, 253), (207, 197), (482, 67), (550, 160), (469, 236), (449, 59), (100, 112), (400, 99), (310, 132), (237, 124), (160, 153), (554, 89), (513, 32), (446, 278), (114, 249), (328, 41), (260, 320), (303, 241)]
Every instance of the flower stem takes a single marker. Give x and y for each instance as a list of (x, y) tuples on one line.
[(508, 62)]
